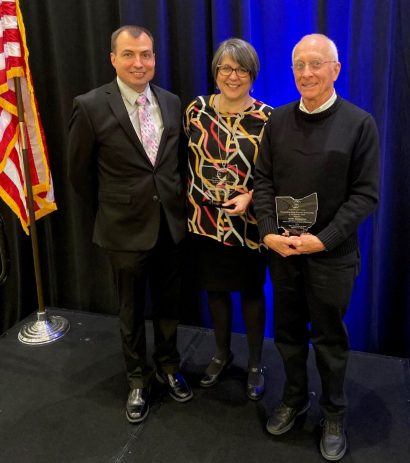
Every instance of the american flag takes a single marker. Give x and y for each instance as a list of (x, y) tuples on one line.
[(14, 63)]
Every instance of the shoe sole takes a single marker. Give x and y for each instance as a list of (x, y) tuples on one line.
[(137, 420), (176, 398), (181, 400), (337, 457), (291, 423), (255, 398), (206, 385)]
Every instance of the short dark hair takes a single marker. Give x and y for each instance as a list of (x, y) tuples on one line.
[(240, 51), (135, 31)]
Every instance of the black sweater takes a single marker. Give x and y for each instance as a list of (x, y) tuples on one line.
[(334, 153)]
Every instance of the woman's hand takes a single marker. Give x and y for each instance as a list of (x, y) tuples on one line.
[(238, 204)]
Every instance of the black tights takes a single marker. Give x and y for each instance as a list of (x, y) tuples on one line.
[(253, 310)]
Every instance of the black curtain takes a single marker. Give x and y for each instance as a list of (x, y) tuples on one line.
[(68, 42), (69, 54)]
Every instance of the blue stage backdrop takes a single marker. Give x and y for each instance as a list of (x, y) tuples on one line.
[(372, 37)]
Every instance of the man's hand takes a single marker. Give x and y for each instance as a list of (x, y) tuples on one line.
[(307, 243), (283, 245)]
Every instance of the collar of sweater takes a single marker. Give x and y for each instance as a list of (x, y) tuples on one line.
[(319, 116)]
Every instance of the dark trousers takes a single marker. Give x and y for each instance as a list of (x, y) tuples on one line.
[(160, 267), (313, 292)]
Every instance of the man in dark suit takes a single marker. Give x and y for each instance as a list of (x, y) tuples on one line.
[(131, 149)]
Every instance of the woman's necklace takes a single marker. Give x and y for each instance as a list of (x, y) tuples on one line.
[(230, 129)]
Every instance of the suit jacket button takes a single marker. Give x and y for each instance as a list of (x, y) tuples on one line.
[(155, 198)]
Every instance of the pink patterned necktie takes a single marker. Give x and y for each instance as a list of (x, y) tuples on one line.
[(147, 127)]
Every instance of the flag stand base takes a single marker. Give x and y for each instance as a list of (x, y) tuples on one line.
[(44, 330)]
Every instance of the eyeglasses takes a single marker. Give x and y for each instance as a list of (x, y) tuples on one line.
[(227, 70), (315, 65)]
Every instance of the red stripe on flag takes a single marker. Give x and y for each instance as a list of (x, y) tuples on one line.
[(12, 180)]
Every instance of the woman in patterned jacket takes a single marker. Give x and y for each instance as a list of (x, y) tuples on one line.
[(225, 131)]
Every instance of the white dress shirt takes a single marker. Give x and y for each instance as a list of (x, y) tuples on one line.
[(130, 96), (327, 104)]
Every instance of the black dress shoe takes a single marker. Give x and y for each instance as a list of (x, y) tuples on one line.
[(255, 386), (176, 385), (214, 370), (333, 443), (137, 408), (283, 418)]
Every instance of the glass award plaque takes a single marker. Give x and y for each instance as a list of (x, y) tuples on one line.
[(219, 183), (296, 216)]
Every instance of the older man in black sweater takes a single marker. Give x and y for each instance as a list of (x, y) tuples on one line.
[(325, 149)]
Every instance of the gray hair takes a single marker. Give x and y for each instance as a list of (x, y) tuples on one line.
[(240, 51), (332, 45), (135, 31)]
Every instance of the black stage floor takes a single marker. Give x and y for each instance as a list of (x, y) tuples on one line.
[(64, 402)]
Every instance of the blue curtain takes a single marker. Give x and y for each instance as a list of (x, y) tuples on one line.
[(372, 38)]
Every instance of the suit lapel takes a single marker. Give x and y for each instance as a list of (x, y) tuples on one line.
[(163, 106), (120, 112)]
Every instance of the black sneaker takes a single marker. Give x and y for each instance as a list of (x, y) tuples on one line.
[(333, 443), (283, 418)]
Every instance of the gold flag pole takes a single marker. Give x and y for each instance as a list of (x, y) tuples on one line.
[(46, 328)]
